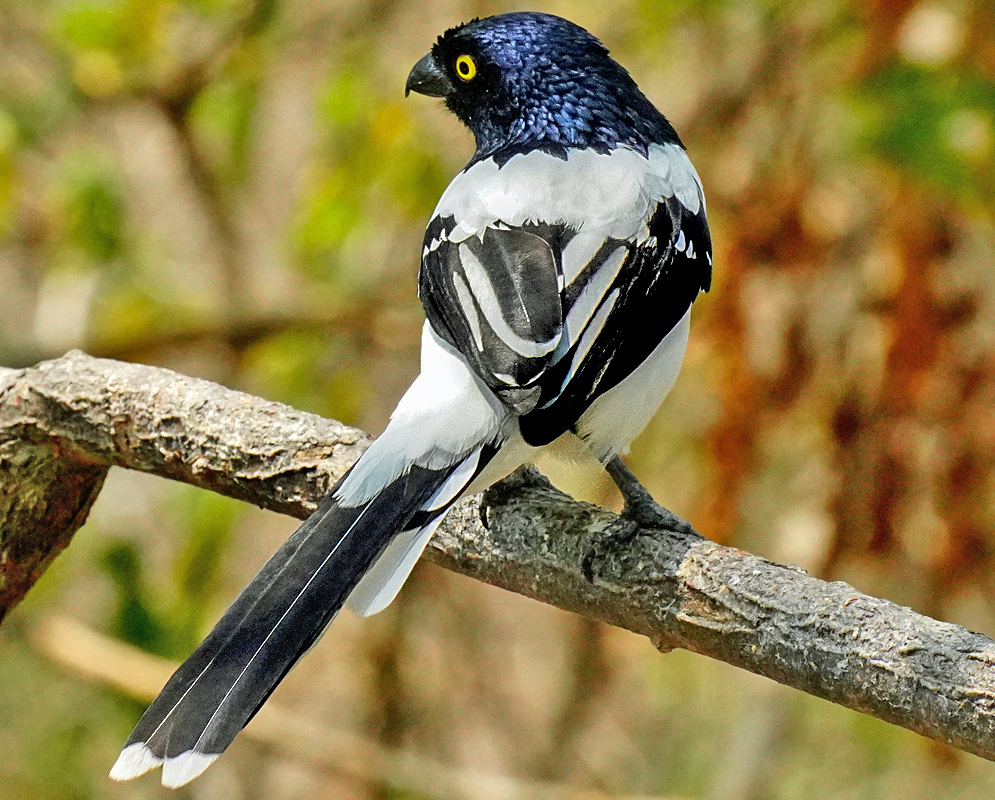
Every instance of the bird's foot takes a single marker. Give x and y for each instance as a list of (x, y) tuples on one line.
[(640, 507)]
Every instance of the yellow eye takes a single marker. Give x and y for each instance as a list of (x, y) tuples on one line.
[(466, 68)]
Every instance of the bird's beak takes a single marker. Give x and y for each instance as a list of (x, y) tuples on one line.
[(426, 78)]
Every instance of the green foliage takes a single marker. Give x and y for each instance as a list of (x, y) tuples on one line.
[(9, 142), (937, 125), (60, 727), (224, 113), (112, 45), (208, 519), (143, 616), (124, 313), (308, 371), (93, 211), (374, 166), (89, 26), (135, 619)]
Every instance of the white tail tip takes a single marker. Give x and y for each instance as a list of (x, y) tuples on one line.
[(136, 759), (185, 767)]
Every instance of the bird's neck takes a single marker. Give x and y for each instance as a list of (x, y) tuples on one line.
[(602, 128)]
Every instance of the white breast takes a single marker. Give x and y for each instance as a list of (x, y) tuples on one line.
[(618, 416)]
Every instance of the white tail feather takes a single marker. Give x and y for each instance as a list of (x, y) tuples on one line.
[(380, 585), (183, 768), (136, 759)]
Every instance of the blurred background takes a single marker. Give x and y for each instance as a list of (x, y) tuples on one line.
[(237, 189)]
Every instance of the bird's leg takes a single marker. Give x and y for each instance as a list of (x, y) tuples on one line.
[(639, 503)]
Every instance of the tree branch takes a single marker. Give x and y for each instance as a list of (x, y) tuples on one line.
[(64, 422)]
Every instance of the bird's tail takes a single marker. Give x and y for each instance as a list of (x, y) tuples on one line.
[(283, 612)]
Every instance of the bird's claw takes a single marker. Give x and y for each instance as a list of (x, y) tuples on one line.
[(640, 507)]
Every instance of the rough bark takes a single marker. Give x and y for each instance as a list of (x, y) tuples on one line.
[(65, 422)]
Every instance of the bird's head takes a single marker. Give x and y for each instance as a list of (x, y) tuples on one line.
[(527, 81)]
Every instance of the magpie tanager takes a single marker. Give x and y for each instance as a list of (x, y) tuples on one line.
[(557, 276)]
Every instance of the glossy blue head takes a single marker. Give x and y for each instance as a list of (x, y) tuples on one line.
[(529, 81)]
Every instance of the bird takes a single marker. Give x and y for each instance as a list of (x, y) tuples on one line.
[(557, 276)]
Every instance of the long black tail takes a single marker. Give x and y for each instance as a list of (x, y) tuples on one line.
[(275, 620)]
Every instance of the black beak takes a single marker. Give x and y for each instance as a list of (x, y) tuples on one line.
[(426, 78)]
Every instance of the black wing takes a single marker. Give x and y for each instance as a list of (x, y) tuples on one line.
[(547, 344), (496, 298), (658, 282)]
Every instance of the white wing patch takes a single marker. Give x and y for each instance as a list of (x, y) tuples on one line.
[(469, 310), (590, 334), (618, 416), (578, 253), (593, 293), (455, 484)]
